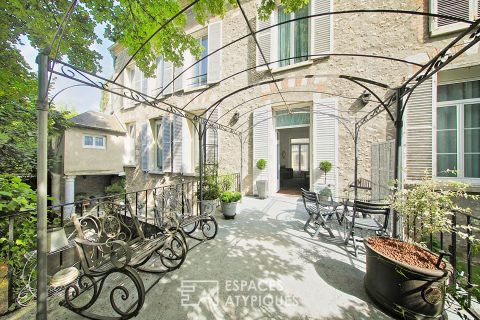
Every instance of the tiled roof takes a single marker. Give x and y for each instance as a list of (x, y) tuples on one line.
[(98, 120)]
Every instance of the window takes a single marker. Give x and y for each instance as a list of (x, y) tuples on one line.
[(293, 37), (200, 69), (130, 145), (464, 9), (158, 156), (299, 154), (94, 142), (136, 81), (458, 130)]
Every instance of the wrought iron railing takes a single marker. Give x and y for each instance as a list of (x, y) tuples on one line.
[(466, 265), (142, 202)]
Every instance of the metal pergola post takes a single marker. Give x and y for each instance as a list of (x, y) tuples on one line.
[(398, 153), (200, 164), (42, 134)]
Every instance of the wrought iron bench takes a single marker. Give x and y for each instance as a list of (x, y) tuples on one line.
[(173, 209), (112, 245)]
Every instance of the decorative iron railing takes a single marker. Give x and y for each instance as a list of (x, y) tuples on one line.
[(465, 280), (142, 202)]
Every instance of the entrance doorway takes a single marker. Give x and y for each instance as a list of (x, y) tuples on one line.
[(294, 160)]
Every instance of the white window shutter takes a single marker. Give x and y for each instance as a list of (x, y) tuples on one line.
[(178, 83), (177, 143), (214, 63), (321, 28), (145, 144), (418, 130), (264, 39), (188, 74), (187, 154), (157, 83), (464, 9), (167, 143), (262, 127), (324, 140), (167, 77)]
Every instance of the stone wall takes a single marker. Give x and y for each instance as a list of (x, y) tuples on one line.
[(393, 35)]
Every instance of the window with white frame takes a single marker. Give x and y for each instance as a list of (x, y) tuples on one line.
[(458, 130), (293, 37), (464, 9), (94, 142), (134, 79), (158, 150), (200, 69), (130, 144)]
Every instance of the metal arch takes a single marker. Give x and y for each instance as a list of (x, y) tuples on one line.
[(356, 81), (302, 56), (288, 91), (153, 35), (248, 130), (64, 89), (92, 80), (320, 15), (257, 45), (217, 103)]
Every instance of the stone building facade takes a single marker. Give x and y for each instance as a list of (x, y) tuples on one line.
[(313, 95)]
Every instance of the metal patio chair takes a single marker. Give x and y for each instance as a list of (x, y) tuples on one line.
[(367, 216), (319, 214)]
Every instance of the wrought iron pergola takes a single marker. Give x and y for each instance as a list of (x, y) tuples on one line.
[(393, 104)]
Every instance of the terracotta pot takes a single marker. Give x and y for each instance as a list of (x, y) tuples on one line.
[(403, 290)]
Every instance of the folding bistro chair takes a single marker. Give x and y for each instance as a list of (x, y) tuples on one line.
[(318, 214), (368, 216)]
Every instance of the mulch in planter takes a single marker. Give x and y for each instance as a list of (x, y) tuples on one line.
[(405, 252)]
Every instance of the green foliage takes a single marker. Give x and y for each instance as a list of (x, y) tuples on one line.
[(116, 188), (325, 192), (261, 164), (229, 196), (433, 203), (267, 6), (211, 189), (225, 183), (16, 196), (326, 167)]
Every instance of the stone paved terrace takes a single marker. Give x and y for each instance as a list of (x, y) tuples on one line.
[(286, 273)]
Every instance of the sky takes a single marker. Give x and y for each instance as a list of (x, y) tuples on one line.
[(80, 99)]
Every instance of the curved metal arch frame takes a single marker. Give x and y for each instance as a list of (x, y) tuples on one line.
[(253, 33)]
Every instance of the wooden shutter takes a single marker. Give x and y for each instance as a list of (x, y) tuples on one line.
[(166, 143), (264, 39), (156, 83), (145, 144), (262, 126), (188, 155), (167, 77), (321, 33), (324, 140), (418, 130), (177, 143), (214, 64)]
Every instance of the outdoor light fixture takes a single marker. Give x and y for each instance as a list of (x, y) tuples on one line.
[(360, 102), (234, 119)]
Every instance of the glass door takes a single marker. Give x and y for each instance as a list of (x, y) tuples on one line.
[(299, 156)]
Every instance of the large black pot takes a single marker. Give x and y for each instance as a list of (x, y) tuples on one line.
[(405, 291)]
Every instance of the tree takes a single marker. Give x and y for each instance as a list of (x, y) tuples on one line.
[(325, 167)]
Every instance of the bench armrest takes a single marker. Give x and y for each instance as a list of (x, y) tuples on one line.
[(120, 249)]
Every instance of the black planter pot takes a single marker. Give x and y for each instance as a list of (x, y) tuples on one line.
[(405, 291)]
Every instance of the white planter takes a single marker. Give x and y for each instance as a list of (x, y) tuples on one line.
[(209, 206), (262, 189), (229, 209)]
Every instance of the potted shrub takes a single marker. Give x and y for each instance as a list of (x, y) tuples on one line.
[(325, 167), (262, 185), (229, 202), (403, 277), (210, 191), (325, 194)]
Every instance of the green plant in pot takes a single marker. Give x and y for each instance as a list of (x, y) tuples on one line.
[(262, 185), (325, 166), (229, 201), (325, 194), (404, 277), (210, 190)]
